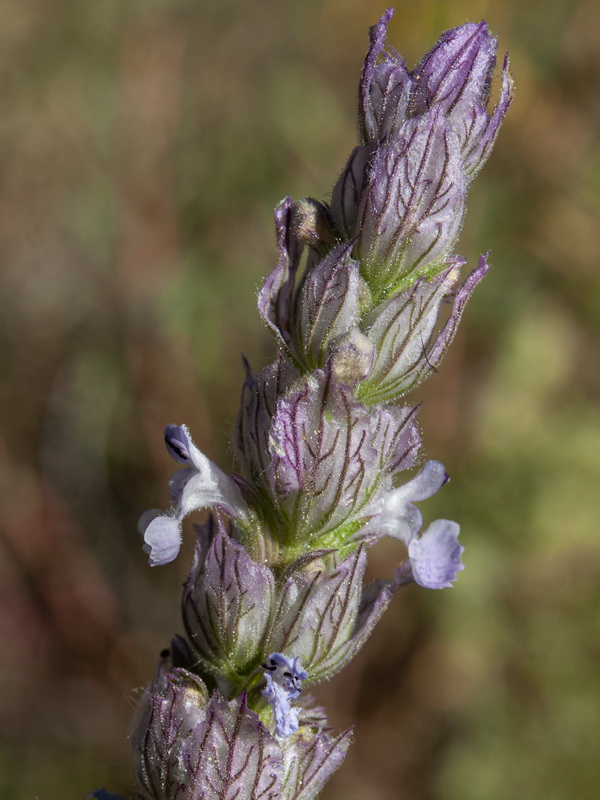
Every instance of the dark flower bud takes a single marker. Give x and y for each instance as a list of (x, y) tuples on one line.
[(385, 87)]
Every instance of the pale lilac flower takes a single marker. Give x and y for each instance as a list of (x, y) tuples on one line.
[(434, 556), (200, 484)]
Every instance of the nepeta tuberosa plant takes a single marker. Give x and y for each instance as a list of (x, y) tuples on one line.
[(364, 300)]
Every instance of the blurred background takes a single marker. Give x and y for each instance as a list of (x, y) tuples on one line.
[(143, 145)]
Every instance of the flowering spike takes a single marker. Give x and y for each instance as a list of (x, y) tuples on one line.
[(363, 302)]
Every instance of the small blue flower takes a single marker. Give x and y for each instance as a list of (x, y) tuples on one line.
[(284, 677)]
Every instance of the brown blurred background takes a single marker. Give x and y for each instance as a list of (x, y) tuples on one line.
[(143, 145)]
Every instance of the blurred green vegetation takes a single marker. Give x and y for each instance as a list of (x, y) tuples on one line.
[(143, 146)]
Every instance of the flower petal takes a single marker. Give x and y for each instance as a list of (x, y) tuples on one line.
[(284, 677), (435, 555), (286, 717), (179, 443), (162, 538), (399, 517), (199, 485)]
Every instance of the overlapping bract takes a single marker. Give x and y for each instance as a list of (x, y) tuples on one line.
[(236, 610), (424, 134), (189, 746), (331, 457)]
